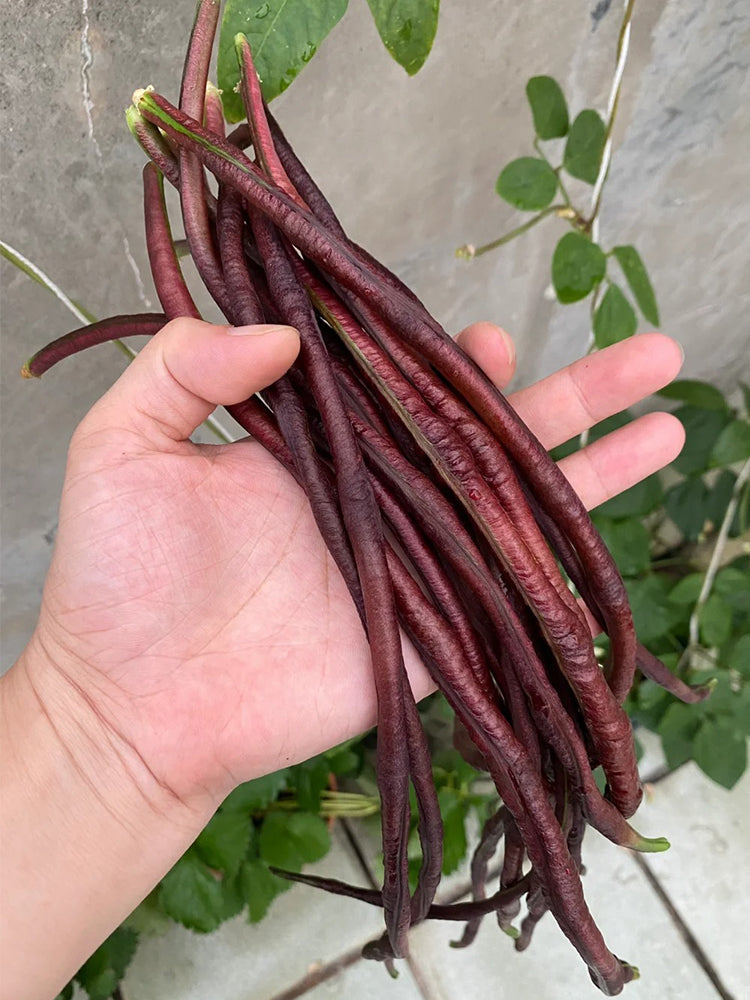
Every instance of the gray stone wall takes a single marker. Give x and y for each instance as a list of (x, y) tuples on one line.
[(409, 163)]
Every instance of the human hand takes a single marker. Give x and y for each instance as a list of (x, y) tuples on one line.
[(194, 631), (191, 607)]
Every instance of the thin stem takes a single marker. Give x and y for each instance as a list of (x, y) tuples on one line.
[(469, 251), (83, 316), (42, 278), (714, 564), (563, 191), (623, 45), (592, 223)]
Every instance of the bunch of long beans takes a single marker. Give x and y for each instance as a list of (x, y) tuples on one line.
[(443, 512)]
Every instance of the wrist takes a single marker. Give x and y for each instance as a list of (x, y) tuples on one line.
[(87, 831)]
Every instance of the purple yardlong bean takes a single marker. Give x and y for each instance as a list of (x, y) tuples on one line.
[(362, 520), (428, 338), (439, 506)]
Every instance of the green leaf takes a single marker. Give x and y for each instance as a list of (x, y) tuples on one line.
[(309, 780), (584, 146), (100, 975), (148, 917), (224, 842), (652, 613), (343, 761), (192, 895), (259, 888), (548, 107), (699, 394), (291, 840), (687, 590), (732, 583), (283, 35), (686, 504), (702, 429), (650, 705), (739, 658), (721, 751), (677, 729), (407, 29), (609, 424), (233, 896), (715, 621), (256, 795), (638, 280), (729, 700), (66, 993), (527, 183), (733, 444), (629, 543), (746, 398), (577, 265), (638, 501), (455, 845), (614, 319)]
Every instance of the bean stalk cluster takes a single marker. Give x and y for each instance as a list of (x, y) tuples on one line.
[(444, 514)]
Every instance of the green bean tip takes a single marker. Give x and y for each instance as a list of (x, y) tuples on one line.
[(651, 845)]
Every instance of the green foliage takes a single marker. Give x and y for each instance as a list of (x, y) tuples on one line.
[(585, 145), (702, 430), (259, 888), (527, 183), (284, 35), (667, 590), (193, 895), (291, 840), (407, 29), (637, 501), (695, 393), (548, 107), (100, 975), (257, 795), (732, 445), (685, 502), (720, 750), (628, 541), (614, 318), (577, 266), (638, 281), (224, 842)]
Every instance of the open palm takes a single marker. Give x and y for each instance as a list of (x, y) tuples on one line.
[(191, 597)]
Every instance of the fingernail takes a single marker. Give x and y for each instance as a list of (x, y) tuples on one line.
[(259, 330), (510, 346)]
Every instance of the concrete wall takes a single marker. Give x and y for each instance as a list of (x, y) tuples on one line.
[(409, 163)]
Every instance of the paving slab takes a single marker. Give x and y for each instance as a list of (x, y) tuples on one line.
[(242, 961), (635, 924), (707, 872)]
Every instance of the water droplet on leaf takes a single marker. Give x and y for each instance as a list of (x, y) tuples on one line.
[(263, 10)]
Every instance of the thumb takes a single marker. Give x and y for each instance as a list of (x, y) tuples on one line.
[(185, 371)]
